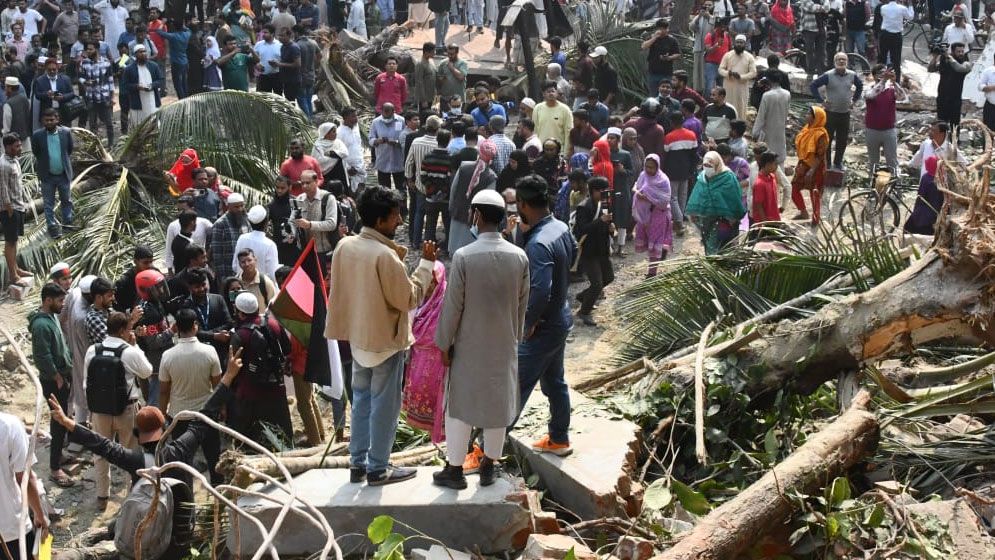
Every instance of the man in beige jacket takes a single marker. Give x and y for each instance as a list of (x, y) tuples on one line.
[(369, 306)]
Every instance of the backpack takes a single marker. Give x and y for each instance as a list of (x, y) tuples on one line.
[(267, 362), (107, 390), (169, 526)]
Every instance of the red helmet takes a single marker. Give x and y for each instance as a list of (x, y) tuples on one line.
[(151, 285)]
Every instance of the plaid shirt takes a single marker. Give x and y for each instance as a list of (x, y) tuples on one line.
[(96, 324), (812, 12), (504, 148), (11, 189), (224, 236), (101, 74)]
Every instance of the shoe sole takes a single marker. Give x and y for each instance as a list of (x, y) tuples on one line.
[(471, 471), (451, 485), (557, 452), (387, 481)]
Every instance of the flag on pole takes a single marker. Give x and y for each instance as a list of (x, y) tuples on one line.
[(301, 307)]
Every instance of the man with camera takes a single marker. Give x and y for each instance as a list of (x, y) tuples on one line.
[(953, 66), (316, 215)]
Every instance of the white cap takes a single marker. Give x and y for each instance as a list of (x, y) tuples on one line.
[(740, 37), (488, 197), (256, 215), (140, 47), (235, 198), (614, 130), (529, 102), (247, 303), (599, 51), (85, 282), (12, 81), (59, 270)]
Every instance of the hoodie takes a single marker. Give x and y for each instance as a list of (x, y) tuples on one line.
[(48, 346)]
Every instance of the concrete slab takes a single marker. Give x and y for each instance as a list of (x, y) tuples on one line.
[(477, 49), (476, 518), (595, 481), (970, 540)]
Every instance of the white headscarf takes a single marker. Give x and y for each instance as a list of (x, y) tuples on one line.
[(211, 51), (322, 146)]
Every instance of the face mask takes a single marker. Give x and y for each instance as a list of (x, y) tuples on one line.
[(709, 172), (456, 111)]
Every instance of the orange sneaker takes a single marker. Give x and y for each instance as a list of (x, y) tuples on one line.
[(471, 464), (547, 445)]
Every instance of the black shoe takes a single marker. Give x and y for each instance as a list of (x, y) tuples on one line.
[(486, 471), (587, 319), (390, 475), (497, 43), (451, 477), (480, 29), (357, 474), (55, 232)]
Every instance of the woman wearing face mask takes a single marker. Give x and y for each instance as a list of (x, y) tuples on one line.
[(716, 203), (811, 144), (518, 167)]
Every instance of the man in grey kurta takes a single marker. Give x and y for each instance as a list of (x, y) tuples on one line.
[(481, 323), (772, 118)]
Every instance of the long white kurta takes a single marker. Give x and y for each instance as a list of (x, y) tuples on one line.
[(73, 320), (482, 318), (738, 91), (771, 123)]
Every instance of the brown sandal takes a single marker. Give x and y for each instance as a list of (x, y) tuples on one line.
[(62, 480)]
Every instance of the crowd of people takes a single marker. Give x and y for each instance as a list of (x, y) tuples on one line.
[(507, 205)]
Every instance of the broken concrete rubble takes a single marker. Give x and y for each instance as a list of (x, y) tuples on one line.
[(963, 525), (596, 481), (478, 518), (555, 547)]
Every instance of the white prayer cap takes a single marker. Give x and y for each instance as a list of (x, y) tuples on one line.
[(235, 198), (12, 81), (85, 282), (614, 130), (599, 51), (256, 214), (529, 102), (140, 47), (488, 197), (60, 270), (741, 37), (247, 303)]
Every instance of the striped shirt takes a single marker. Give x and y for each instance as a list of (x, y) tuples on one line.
[(11, 189), (97, 78)]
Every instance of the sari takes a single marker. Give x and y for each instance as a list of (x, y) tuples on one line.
[(928, 203), (654, 229), (782, 21), (716, 205), (424, 390)]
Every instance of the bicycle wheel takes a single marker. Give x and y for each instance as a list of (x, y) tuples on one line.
[(858, 63), (920, 47), (795, 58), (865, 215)]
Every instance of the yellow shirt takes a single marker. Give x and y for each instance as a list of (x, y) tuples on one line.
[(554, 122)]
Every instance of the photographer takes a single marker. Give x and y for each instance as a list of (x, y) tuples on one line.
[(316, 214), (235, 64), (953, 67), (593, 229)]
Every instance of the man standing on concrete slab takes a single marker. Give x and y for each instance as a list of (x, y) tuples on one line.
[(551, 250), (479, 330), (53, 146), (13, 204), (843, 88), (369, 306)]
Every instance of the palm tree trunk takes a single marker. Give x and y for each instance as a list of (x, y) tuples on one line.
[(680, 16)]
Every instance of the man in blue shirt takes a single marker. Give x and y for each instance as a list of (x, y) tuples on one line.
[(178, 41), (385, 134), (52, 146), (486, 108), (551, 251)]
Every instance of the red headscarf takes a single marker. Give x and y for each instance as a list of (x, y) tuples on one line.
[(931, 163), (183, 171), (601, 162)]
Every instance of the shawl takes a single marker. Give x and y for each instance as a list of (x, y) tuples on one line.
[(601, 162), (184, 171), (719, 196), (426, 370), (509, 176), (487, 151), (582, 162), (211, 53), (782, 14), (808, 137), (656, 188), (322, 146)]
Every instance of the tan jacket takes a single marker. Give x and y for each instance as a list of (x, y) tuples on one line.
[(372, 293)]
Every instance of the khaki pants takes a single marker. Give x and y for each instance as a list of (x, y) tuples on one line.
[(110, 426), (307, 407)]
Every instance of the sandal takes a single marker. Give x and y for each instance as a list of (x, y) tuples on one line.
[(62, 480)]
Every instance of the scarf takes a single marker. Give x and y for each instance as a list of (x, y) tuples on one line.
[(509, 176), (655, 187), (322, 146), (582, 162), (211, 53), (782, 14), (601, 162), (718, 197), (808, 137), (931, 164), (183, 171), (487, 151)]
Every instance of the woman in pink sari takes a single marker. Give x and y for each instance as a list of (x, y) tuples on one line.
[(651, 210), (424, 391)]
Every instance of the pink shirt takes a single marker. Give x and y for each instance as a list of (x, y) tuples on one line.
[(292, 169), (390, 89)]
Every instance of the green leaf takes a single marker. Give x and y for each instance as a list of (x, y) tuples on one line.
[(380, 528), (570, 555), (832, 527), (692, 501), (839, 491), (392, 548), (657, 496), (771, 445)]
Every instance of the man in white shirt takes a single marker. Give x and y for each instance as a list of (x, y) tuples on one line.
[(199, 236), (349, 134), (112, 16), (960, 31), (893, 16), (7, 17), (264, 248), (34, 22), (15, 462), (117, 350), (268, 50), (936, 145), (987, 86)]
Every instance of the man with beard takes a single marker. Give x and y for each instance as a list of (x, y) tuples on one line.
[(843, 87), (142, 82), (212, 312), (738, 68), (125, 286), (297, 163), (288, 247), (953, 67), (225, 234), (370, 307)]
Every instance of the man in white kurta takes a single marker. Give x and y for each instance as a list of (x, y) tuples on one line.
[(481, 323), (738, 69), (772, 119), (73, 320)]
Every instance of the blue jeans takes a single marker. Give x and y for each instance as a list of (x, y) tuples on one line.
[(417, 214), (304, 100), (386, 10), (48, 190), (856, 41), (711, 77), (475, 13), (441, 29), (376, 404), (540, 361), (179, 72), (153, 399)]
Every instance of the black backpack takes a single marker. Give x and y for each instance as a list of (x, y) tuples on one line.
[(267, 362), (107, 390)]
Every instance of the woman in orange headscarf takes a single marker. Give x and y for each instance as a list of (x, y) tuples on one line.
[(180, 176), (601, 162), (811, 144)]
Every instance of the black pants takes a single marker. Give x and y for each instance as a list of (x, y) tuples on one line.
[(891, 44), (838, 127), (58, 432), (14, 550), (101, 112), (384, 180), (291, 90), (815, 51), (211, 445), (125, 107), (599, 273), (251, 413), (270, 83), (988, 115)]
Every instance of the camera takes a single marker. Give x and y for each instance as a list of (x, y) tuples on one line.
[(290, 231), (939, 47), (246, 49)]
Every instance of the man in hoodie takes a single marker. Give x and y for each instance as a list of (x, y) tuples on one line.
[(54, 362)]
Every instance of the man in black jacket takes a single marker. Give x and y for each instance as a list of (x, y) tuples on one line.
[(593, 229), (126, 296), (212, 313)]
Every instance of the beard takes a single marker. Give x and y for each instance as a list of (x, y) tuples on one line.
[(739, 50), (297, 157)]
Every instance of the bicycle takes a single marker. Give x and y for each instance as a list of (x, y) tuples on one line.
[(874, 211), (835, 42), (923, 42)]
